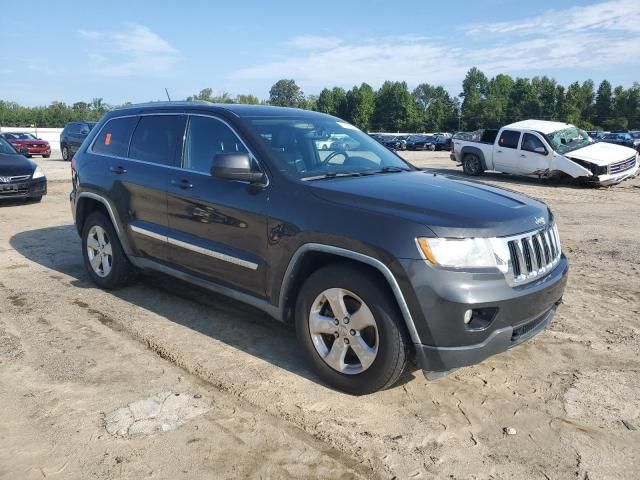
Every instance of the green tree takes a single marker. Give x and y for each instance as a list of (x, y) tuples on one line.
[(361, 103), (474, 91), (395, 109), (286, 93), (248, 99), (603, 107)]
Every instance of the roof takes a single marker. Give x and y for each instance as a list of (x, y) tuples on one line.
[(541, 126), (239, 110)]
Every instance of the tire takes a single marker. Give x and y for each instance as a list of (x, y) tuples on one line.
[(35, 199), (65, 153), (117, 272), (471, 165), (378, 330), (432, 148), (46, 156)]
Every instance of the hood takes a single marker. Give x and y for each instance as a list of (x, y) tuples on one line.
[(602, 153), (15, 164), (449, 206)]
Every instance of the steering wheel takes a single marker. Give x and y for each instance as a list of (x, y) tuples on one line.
[(334, 154)]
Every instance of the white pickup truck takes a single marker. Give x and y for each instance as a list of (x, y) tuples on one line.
[(543, 149)]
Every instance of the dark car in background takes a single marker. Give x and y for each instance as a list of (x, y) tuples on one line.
[(391, 142), (72, 137), (421, 142), (19, 176), (375, 262), (28, 141), (443, 143), (620, 138), (635, 135)]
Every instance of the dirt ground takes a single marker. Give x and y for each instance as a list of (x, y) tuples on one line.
[(74, 358)]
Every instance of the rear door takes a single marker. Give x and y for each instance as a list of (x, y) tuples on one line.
[(142, 153), (505, 153), (217, 228)]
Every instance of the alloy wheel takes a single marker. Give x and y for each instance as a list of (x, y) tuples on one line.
[(99, 251), (343, 331)]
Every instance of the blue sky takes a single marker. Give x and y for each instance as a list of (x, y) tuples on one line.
[(130, 50)]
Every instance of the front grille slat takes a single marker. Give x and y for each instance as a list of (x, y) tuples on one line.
[(532, 255), (623, 165)]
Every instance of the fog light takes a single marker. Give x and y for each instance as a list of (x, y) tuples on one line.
[(467, 316)]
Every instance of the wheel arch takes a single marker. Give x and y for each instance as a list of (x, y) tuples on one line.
[(88, 203), (467, 150), (311, 256)]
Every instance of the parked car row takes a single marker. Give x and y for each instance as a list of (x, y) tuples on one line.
[(416, 141)]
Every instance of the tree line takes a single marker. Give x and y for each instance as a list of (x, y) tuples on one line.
[(483, 103)]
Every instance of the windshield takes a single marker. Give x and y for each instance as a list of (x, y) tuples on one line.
[(569, 139), (23, 136), (635, 135), (317, 147), (5, 147)]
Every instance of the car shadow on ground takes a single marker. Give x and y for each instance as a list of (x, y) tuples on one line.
[(221, 318)]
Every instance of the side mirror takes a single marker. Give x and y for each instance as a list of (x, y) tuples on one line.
[(541, 150), (235, 166)]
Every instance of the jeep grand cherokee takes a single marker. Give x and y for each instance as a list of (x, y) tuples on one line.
[(374, 262)]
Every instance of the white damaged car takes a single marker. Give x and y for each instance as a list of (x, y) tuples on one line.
[(543, 149)]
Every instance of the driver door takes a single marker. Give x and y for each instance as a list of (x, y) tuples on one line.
[(533, 155), (506, 153), (217, 227)]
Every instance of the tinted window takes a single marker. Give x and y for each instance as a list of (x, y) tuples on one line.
[(206, 137), (74, 128), (509, 139), (158, 139), (114, 137), (84, 129), (531, 142)]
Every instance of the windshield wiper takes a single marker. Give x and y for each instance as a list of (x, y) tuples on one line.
[(329, 175), (390, 170)]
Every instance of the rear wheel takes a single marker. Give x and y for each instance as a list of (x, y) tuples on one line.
[(104, 259), (471, 165), (46, 156), (351, 330)]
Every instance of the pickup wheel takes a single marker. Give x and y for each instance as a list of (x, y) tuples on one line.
[(104, 259), (351, 330), (471, 165)]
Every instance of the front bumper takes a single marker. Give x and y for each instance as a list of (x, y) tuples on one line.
[(606, 180), (25, 189), (442, 297)]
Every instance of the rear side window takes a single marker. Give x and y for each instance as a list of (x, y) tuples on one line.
[(206, 137), (158, 139), (114, 137), (509, 139)]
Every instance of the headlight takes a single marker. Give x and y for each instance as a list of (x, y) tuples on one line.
[(465, 253), (38, 173)]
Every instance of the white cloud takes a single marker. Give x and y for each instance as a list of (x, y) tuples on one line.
[(597, 36), (135, 51), (613, 16), (314, 42)]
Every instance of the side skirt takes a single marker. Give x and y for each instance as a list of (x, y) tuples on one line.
[(259, 303)]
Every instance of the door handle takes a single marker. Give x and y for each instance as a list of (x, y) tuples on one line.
[(498, 151), (184, 184), (118, 170), (523, 155)]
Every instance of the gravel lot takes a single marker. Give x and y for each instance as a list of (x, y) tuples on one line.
[(71, 356)]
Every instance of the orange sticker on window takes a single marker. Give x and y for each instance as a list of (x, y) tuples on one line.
[(107, 140)]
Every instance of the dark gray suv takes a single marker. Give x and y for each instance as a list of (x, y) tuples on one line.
[(375, 262)]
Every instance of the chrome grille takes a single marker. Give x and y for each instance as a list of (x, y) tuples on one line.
[(18, 178), (623, 165), (532, 255)]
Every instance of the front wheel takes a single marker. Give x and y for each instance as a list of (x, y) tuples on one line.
[(104, 259), (351, 330), (65, 153), (471, 165)]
